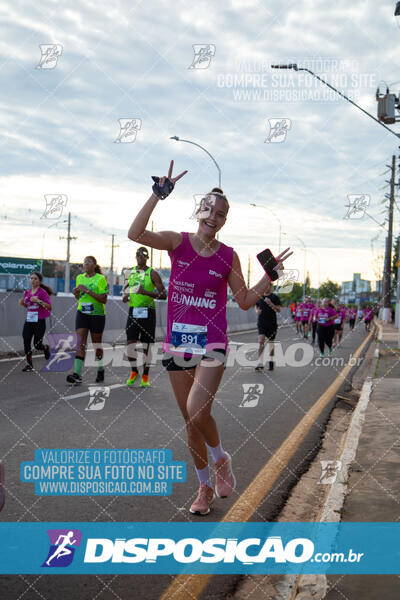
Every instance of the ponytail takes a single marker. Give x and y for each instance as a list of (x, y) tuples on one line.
[(44, 287), (47, 289)]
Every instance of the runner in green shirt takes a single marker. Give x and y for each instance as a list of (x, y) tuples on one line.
[(91, 292), (142, 285)]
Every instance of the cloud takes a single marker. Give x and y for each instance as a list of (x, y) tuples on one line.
[(120, 61)]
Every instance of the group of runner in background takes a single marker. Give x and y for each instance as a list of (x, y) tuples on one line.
[(141, 286), (322, 320), (325, 320), (196, 343)]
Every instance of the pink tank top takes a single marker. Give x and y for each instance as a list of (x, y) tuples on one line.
[(197, 293)]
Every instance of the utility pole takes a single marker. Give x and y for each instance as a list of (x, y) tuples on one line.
[(111, 278), (248, 271), (67, 265), (386, 316)]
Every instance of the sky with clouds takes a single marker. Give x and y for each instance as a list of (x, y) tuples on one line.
[(124, 60)]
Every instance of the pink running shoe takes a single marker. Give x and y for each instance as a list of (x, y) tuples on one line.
[(201, 506), (225, 481)]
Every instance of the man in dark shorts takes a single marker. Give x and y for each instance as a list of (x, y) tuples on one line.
[(266, 308), (141, 286)]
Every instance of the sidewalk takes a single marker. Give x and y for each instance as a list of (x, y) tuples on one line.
[(374, 482)]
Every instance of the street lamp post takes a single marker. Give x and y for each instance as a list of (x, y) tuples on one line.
[(178, 139), (294, 67), (276, 217), (397, 13)]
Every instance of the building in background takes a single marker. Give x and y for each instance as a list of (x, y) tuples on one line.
[(378, 287), (356, 291)]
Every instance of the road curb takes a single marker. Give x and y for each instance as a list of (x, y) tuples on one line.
[(314, 587)]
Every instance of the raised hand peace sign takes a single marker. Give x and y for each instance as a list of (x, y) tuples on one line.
[(280, 258), (163, 186)]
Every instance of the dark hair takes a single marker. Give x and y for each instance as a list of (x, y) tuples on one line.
[(42, 285), (97, 267)]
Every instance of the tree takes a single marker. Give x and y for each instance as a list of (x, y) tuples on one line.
[(329, 289), (308, 285), (296, 295)]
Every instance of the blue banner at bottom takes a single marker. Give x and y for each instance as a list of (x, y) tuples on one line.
[(204, 547)]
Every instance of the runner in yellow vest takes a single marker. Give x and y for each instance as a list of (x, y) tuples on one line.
[(141, 286)]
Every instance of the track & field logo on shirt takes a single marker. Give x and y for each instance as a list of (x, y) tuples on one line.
[(198, 301)]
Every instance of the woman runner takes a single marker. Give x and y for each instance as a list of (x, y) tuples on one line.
[(314, 321), (307, 307), (338, 323), (352, 316), (38, 305), (368, 314), (297, 317), (91, 292), (201, 268), (325, 315)]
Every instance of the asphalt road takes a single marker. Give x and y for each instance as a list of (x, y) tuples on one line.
[(40, 411)]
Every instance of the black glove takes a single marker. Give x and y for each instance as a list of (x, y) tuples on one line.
[(164, 190)]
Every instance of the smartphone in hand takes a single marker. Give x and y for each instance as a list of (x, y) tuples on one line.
[(268, 262)]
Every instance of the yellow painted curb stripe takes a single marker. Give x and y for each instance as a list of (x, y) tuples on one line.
[(189, 587)]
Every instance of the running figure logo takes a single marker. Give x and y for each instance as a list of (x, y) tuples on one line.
[(358, 204), (203, 53), (63, 543), (97, 397), (286, 280), (50, 55), (62, 352), (278, 129), (128, 129), (251, 394), (203, 204), (54, 206), (330, 469)]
